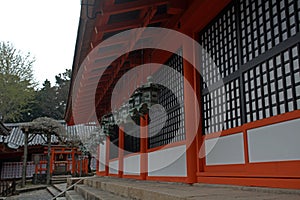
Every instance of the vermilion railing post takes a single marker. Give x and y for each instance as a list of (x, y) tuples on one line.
[(107, 156), (121, 152), (73, 161), (144, 146)]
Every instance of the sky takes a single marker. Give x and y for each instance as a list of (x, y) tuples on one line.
[(45, 28)]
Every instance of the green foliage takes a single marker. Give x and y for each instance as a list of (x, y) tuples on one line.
[(16, 82), (62, 90), (50, 101), (19, 100)]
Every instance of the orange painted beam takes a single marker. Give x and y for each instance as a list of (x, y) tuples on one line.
[(201, 12)]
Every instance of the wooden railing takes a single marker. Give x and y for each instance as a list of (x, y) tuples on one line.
[(7, 188)]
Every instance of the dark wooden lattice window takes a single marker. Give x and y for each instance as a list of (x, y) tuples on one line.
[(265, 24), (273, 87), (221, 104), (131, 139), (171, 99), (255, 47)]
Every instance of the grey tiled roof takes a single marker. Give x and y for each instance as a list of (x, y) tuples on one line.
[(16, 136), (3, 129)]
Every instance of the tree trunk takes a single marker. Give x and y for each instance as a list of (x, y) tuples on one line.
[(24, 167), (48, 158)]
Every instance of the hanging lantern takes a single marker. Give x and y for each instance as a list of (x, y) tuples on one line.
[(150, 92), (134, 103), (123, 113), (105, 125), (109, 125), (137, 98), (131, 103)]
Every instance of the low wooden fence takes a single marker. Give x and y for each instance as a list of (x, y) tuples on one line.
[(7, 188)]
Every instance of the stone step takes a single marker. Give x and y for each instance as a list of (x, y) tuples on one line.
[(61, 187), (58, 182), (73, 195), (149, 190), (60, 178), (140, 190), (90, 193), (53, 191)]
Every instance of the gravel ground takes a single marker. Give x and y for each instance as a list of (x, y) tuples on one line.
[(34, 195)]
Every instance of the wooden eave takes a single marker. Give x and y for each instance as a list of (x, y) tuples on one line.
[(113, 18)]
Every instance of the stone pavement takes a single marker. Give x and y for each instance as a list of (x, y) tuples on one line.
[(150, 190), (32, 195)]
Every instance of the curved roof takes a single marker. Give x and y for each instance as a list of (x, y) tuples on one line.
[(3, 129), (16, 137)]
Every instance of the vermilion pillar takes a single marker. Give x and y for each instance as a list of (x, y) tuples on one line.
[(144, 146), (52, 161), (191, 115), (73, 161), (98, 159), (107, 156), (121, 152)]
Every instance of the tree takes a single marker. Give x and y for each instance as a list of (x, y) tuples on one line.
[(45, 104), (16, 82), (48, 127), (62, 90), (50, 101)]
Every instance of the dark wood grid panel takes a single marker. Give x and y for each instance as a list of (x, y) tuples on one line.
[(222, 108), (131, 139), (220, 42), (265, 24), (268, 59), (221, 105), (273, 87), (171, 98)]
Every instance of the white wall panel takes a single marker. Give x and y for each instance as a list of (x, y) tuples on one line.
[(102, 157), (114, 167), (225, 150), (132, 165), (168, 162), (277, 142)]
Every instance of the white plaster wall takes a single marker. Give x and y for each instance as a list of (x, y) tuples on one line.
[(168, 162), (132, 165), (225, 150), (277, 142), (102, 157), (114, 167)]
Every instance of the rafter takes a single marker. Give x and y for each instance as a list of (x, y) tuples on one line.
[(131, 6), (130, 24), (101, 19), (80, 104), (150, 14)]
